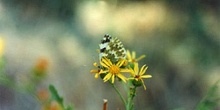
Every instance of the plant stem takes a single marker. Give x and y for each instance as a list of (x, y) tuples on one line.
[(131, 95), (120, 95)]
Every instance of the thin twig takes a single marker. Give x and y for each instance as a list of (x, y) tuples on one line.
[(120, 95), (105, 104)]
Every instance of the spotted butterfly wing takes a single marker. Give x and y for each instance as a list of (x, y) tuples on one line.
[(111, 48)]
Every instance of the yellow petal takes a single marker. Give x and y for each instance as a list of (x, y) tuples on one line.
[(95, 64), (136, 68), (107, 77), (103, 64), (108, 62), (104, 60), (96, 75), (143, 69), (133, 55), (146, 76), (125, 70), (143, 84), (129, 55), (113, 78), (120, 63), (2, 45), (139, 58), (132, 72), (94, 71), (103, 71), (123, 78)]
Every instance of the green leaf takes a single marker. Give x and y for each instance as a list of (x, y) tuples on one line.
[(55, 95), (210, 101), (69, 108)]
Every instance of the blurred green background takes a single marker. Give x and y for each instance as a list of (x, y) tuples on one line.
[(181, 40)]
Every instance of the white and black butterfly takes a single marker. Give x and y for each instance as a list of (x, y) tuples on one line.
[(111, 48)]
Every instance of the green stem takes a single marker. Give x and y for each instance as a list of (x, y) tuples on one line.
[(120, 95), (131, 95)]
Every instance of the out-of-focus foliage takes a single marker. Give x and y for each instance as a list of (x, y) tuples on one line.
[(181, 41), (211, 100), (55, 96)]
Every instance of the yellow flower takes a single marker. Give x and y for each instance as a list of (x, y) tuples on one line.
[(138, 76), (43, 94), (113, 70), (41, 67), (96, 71), (132, 57), (53, 105)]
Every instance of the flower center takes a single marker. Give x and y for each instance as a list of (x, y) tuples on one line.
[(133, 60), (137, 77), (114, 69)]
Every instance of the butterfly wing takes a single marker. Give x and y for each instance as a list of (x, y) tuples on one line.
[(111, 48)]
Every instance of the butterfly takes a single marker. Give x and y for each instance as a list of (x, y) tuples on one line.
[(111, 48)]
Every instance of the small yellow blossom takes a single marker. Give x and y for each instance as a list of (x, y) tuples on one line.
[(42, 64), (113, 70), (41, 67), (43, 94), (96, 71), (132, 57), (53, 105), (138, 76)]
